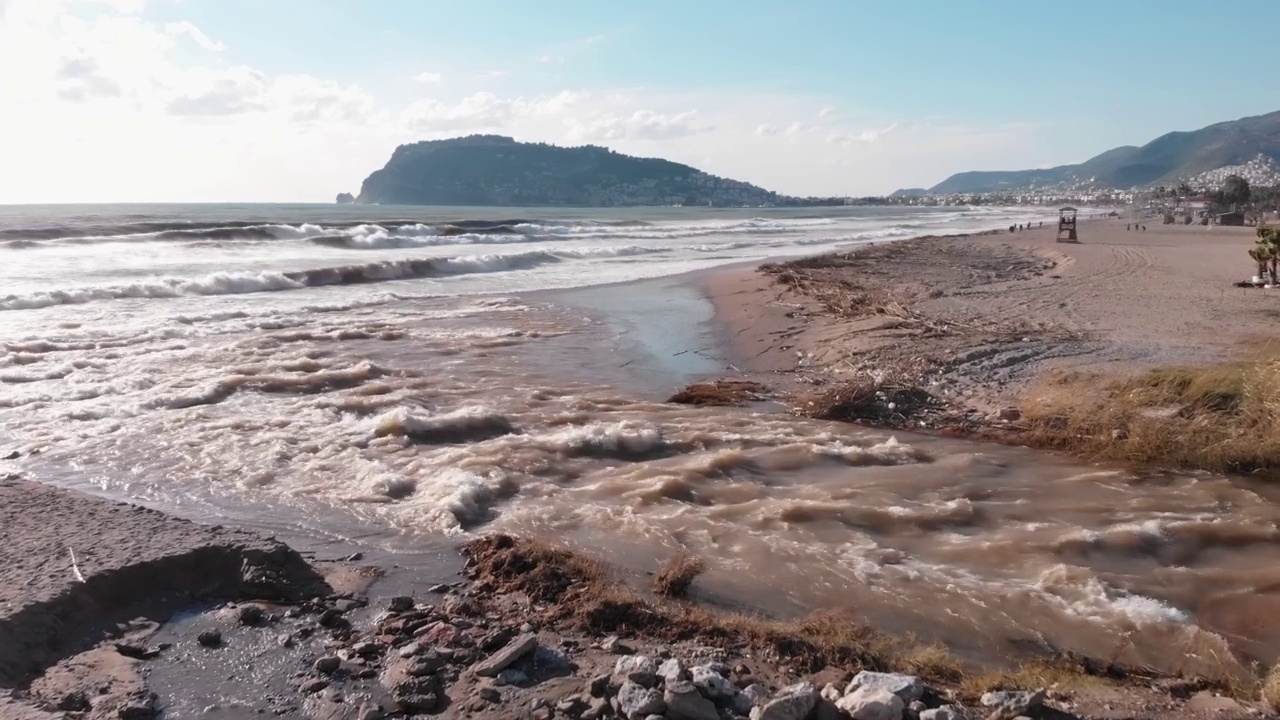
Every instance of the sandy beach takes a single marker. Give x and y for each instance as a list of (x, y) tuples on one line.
[(983, 318)]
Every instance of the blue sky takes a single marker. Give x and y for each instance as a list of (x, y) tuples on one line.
[(286, 100)]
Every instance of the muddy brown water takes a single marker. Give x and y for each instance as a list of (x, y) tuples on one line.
[(411, 427)]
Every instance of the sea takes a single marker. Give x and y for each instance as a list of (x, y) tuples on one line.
[(408, 377)]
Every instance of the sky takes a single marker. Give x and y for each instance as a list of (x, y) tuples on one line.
[(298, 100)]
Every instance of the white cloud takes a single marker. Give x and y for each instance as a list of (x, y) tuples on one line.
[(866, 136), (767, 130), (175, 29), (640, 125), (482, 111), (428, 78), (212, 93), (825, 112)]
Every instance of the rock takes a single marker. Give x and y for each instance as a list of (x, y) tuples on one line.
[(636, 701), (906, 687), (872, 703), (711, 683), (13, 455), (138, 707), (946, 712), (76, 701), (439, 633), (600, 686), (346, 605), (400, 603), (831, 693), (419, 695), (495, 640), (331, 617), (428, 663), (615, 646), (314, 686), (511, 676), (1210, 704), (791, 703), (210, 638), (328, 664), (1010, 414), (1012, 703), (741, 703), (917, 707), (370, 711), (354, 557), (672, 670), (366, 649), (249, 614), (513, 651), (137, 652), (599, 708), (549, 658), (490, 694), (409, 650), (756, 693), (638, 669), (685, 702), (572, 706), (527, 628)]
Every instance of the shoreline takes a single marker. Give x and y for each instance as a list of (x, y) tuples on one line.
[(973, 331), (531, 630)]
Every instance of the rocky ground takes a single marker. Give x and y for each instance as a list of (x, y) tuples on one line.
[(528, 631)]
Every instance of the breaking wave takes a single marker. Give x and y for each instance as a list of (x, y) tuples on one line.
[(233, 283)]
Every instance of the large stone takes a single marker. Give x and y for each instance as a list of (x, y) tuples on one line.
[(1012, 703), (685, 702), (756, 693), (500, 660), (741, 703), (636, 701), (549, 658), (639, 669), (906, 687), (712, 683), (791, 703), (672, 670), (871, 703)]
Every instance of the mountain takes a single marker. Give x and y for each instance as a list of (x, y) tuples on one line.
[(1166, 160), (496, 170), (909, 193)]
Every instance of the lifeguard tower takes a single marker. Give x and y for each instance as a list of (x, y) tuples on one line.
[(1067, 225)]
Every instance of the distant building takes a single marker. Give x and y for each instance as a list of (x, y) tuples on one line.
[(1195, 205), (1230, 218)]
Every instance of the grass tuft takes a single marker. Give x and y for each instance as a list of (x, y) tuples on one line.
[(676, 575)]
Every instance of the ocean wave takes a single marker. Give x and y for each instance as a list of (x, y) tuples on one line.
[(234, 283)]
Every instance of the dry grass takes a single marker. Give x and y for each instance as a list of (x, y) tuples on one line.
[(1271, 689), (1224, 418), (720, 392), (676, 575)]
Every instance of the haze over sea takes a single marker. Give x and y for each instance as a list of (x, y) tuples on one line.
[(411, 375)]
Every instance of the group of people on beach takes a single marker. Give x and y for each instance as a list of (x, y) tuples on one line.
[(1135, 227), (1020, 228)]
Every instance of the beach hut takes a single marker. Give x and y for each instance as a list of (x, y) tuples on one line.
[(1067, 225)]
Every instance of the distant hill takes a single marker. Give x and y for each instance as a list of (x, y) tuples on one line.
[(910, 192), (1165, 160), (496, 170)]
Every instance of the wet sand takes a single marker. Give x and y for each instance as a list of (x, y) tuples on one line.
[(992, 313)]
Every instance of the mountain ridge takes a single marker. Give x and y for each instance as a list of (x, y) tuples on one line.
[(1165, 160), (494, 170)]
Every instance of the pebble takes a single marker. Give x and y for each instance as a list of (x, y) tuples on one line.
[(366, 649), (756, 692), (615, 646), (314, 685), (440, 589), (328, 664), (672, 670), (400, 603), (600, 686), (370, 711), (946, 712), (511, 677), (490, 694), (409, 650), (210, 638), (550, 658)]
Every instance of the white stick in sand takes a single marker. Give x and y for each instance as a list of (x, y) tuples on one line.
[(75, 566)]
